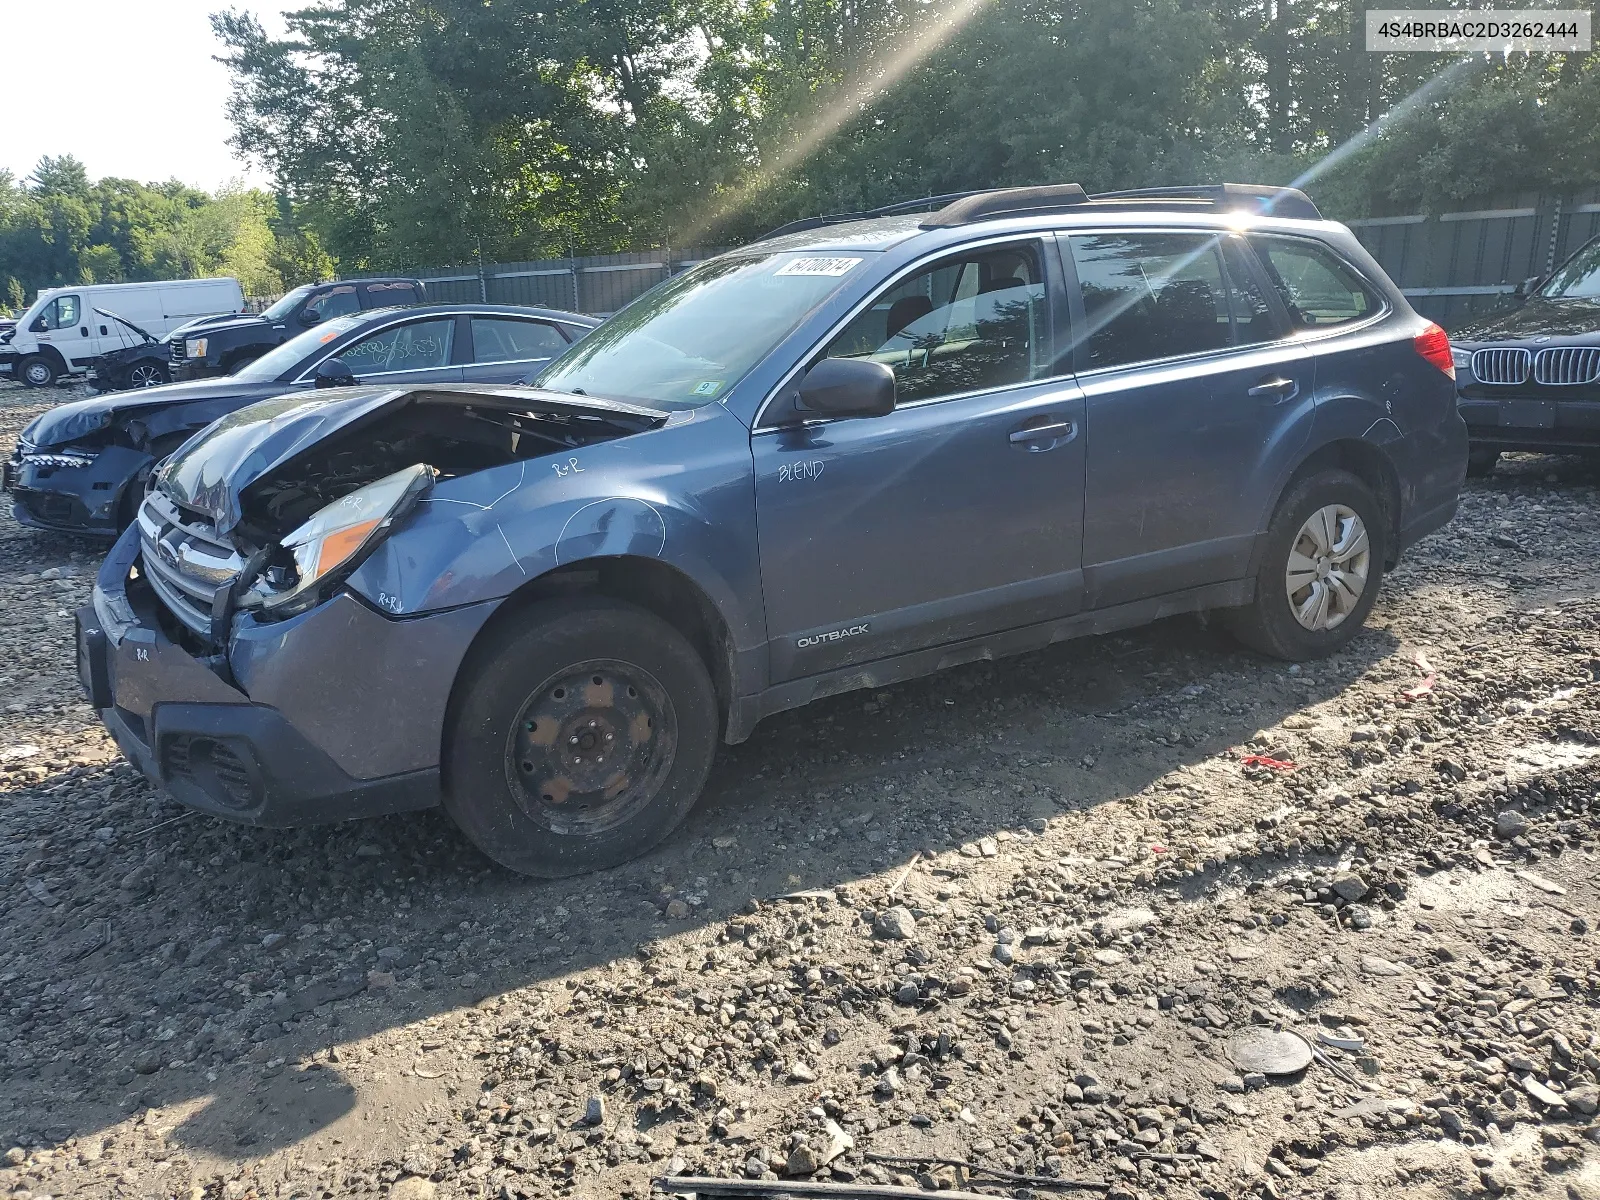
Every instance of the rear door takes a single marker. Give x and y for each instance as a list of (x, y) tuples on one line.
[(1194, 400), (508, 349), (955, 516)]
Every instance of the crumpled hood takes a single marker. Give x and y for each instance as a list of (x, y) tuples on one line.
[(209, 472), (78, 418), (1569, 320)]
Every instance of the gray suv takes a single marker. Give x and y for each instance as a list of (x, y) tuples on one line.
[(857, 451)]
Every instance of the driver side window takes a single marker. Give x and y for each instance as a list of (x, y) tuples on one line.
[(970, 322), (60, 313)]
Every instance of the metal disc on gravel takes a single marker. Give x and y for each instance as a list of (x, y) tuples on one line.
[(1269, 1051)]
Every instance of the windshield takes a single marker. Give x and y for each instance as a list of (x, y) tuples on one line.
[(285, 306), (1578, 278), (281, 359), (687, 341)]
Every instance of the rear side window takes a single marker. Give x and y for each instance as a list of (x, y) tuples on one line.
[(1151, 295), (1318, 288), (382, 295), (499, 340), (968, 323)]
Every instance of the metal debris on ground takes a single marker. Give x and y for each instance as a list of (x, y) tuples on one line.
[(1269, 1051), (978, 1168)]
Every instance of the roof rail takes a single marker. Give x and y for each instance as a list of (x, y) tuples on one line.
[(1006, 202), (1258, 198), (964, 208), (888, 210)]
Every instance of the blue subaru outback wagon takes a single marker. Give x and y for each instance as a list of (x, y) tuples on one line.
[(859, 450)]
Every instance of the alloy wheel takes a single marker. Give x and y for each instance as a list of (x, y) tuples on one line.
[(1329, 562), (144, 375)]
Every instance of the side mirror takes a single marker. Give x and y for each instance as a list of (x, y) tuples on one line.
[(841, 387), (309, 317), (1527, 287), (335, 372), (38, 325)]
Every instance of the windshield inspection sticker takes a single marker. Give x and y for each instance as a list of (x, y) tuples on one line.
[(829, 266), (707, 387)]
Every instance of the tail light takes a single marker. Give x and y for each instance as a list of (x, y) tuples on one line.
[(1433, 344)]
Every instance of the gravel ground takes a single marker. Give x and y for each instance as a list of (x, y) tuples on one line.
[(1014, 914)]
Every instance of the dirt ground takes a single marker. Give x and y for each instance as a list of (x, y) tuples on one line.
[(1019, 914)]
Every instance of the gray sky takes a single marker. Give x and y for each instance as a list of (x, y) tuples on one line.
[(127, 86)]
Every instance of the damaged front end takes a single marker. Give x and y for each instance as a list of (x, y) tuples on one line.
[(274, 506), (226, 650)]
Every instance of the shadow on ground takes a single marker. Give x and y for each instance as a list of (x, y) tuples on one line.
[(819, 798)]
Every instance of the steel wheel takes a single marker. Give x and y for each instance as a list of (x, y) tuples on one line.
[(591, 747), (1329, 562), (145, 375), (37, 372)]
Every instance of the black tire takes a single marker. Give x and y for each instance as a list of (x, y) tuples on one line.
[(1481, 462), (1269, 623), (518, 781), (37, 371)]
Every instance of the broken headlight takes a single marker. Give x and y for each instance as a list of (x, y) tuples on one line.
[(335, 539)]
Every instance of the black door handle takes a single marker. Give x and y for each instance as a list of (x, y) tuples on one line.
[(1276, 386), (83, 331)]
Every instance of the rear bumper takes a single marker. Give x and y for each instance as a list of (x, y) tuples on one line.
[(332, 715), (1432, 467), (1522, 424)]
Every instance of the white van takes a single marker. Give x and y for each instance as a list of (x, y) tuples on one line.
[(66, 328)]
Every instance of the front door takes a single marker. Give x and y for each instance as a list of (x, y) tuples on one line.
[(957, 515), (1194, 405), (64, 324)]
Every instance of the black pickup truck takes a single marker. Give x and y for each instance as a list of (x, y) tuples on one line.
[(221, 345)]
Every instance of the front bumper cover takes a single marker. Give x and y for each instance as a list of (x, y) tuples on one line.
[(343, 701), (83, 500), (1531, 423)]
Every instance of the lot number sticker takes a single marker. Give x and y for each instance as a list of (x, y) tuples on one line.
[(829, 267)]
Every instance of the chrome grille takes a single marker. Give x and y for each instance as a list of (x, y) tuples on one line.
[(186, 561), (1501, 365), (177, 356), (1564, 366)]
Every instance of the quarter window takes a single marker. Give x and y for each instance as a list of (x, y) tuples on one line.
[(1151, 295), (414, 347), (974, 321), (1318, 288), (495, 340)]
